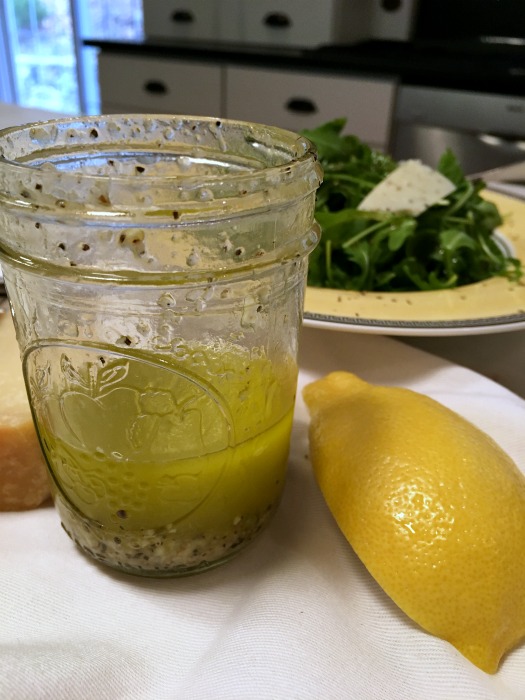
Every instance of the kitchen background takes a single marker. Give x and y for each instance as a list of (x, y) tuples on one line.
[(411, 77)]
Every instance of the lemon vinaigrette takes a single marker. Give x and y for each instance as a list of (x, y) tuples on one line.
[(163, 465), (156, 268)]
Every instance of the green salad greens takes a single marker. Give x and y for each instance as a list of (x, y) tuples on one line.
[(451, 243)]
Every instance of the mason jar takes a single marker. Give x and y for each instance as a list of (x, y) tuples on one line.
[(155, 267)]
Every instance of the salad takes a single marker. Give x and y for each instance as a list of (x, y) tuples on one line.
[(440, 245)]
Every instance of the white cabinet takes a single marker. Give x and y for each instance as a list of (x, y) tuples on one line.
[(291, 99), (270, 22), (302, 22), (159, 85), (182, 19), (298, 100), (286, 23)]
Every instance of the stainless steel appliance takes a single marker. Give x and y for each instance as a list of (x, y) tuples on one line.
[(471, 24), (484, 130)]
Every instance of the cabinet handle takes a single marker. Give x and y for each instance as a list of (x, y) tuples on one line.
[(182, 16), (301, 105), (277, 20), (391, 5), (155, 87)]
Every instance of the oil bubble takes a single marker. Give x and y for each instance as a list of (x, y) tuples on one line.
[(166, 301), (193, 259), (205, 194)]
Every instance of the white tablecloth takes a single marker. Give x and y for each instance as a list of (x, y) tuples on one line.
[(294, 616)]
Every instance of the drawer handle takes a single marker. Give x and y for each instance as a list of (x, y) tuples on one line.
[(391, 5), (155, 87), (182, 16), (301, 105), (277, 20)]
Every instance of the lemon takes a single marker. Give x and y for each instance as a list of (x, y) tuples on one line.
[(432, 506)]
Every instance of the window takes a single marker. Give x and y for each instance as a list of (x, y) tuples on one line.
[(42, 60)]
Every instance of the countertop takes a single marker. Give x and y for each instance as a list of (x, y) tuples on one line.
[(481, 68), (13, 115)]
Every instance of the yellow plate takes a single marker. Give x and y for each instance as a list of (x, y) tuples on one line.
[(492, 306)]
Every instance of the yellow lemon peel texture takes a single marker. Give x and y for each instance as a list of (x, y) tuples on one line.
[(432, 506)]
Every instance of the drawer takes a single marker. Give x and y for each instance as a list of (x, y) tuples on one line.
[(296, 101), (182, 19), (270, 22), (393, 21), (129, 83), (302, 22)]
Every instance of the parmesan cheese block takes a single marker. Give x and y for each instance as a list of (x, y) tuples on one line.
[(24, 482), (411, 187)]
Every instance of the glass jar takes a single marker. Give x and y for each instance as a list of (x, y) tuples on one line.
[(155, 267)]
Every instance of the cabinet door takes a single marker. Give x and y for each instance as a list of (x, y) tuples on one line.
[(295, 100), (300, 23), (288, 22), (151, 85), (182, 19)]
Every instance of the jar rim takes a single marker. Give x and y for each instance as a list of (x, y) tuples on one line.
[(31, 148), (207, 217)]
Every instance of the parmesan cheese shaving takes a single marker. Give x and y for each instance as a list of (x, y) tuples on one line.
[(412, 187), (24, 482)]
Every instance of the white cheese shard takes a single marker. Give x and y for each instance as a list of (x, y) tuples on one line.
[(24, 483), (412, 187)]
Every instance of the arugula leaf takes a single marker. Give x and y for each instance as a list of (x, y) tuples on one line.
[(451, 243), (449, 167)]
